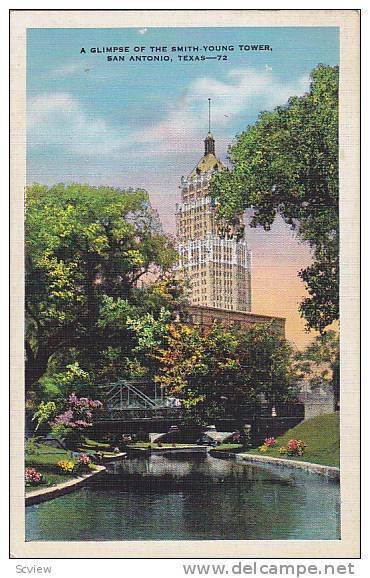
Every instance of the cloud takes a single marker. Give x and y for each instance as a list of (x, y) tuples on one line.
[(242, 91), (58, 120), (68, 69)]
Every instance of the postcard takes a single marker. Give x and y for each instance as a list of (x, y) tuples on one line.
[(185, 283)]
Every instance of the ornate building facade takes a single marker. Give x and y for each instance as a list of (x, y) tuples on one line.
[(215, 260)]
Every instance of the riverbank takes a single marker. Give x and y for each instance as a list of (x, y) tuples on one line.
[(330, 472), (321, 454), (42, 494), (321, 436)]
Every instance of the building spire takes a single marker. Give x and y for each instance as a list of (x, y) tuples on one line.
[(209, 143)]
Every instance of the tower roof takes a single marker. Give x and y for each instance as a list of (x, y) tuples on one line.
[(209, 161)]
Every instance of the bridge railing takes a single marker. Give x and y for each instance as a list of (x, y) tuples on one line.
[(130, 394), (247, 413), (139, 414)]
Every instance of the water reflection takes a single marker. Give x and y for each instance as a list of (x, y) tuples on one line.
[(164, 498)]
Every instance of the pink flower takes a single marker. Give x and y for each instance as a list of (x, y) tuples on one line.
[(32, 476), (270, 442), (84, 459)]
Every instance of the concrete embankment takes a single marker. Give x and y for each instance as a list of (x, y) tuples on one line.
[(190, 449), (328, 471)]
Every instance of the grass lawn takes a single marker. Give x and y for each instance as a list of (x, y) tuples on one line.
[(93, 446), (320, 434), (228, 448), (44, 459)]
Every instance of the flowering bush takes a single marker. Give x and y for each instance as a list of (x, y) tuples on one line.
[(296, 447), (66, 466), (270, 442), (33, 477), (282, 450), (78, 413), (83, 463), (76, 417), (84, 459)]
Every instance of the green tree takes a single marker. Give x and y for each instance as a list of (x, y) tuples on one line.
[(287, 164), (214, 374), (319, 363), (94, 258)]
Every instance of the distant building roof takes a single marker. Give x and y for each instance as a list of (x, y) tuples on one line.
[(207, 163)]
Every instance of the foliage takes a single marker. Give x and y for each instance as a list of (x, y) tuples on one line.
[(287, 164), (61, 383), (31, 446), (215, 373), (88, 250), (319, 363), (45, 411)]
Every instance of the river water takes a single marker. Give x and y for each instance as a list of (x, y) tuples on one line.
[(196, 497)]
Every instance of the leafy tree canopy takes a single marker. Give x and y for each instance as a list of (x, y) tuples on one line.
[(287, 164), (214, 373), (96, 259), (319, 364)]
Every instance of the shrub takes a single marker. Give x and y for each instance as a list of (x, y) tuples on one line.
[(45, 411), (33, 477), (60, 431), (83, 463), (263, 449), (296, 447), (75, 419), (31, 447)]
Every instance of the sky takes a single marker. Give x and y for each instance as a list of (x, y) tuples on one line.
[(142, 124)]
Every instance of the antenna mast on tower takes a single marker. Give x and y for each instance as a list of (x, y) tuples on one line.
[(209, 115)]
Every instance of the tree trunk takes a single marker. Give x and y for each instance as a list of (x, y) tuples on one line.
[(36, 365)]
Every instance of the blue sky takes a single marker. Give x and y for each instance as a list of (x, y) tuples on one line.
[(141, 124)]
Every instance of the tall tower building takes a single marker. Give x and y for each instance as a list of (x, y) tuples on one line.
[(213, 258)]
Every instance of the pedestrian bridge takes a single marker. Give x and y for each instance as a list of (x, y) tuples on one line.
[(129, 405), (136, 400)]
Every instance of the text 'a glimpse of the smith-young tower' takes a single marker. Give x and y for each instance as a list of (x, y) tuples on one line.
[(215, 260)]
